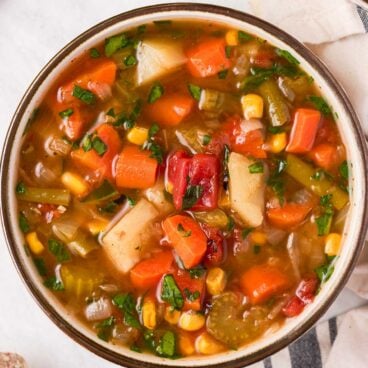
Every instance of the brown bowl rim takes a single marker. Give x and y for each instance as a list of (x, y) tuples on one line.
[(26, 99)]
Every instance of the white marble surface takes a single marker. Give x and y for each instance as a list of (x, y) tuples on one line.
[(31, 32)]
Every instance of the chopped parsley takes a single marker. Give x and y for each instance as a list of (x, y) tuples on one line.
[(23, 223), (142, 28), (58, 250), (184, 233), (246, 232), (151, 145), (223, 74), (99, 146), (41, 266), (104, 328), (84, 95), (196, 272), (256, 249), (275, 129), (244, 37), (54, 284), (344, 170), (94, 53), (287, 56), (165, 22), (131, 201), (206, 139), (166, 346), (325, 271), (195, 91), (130, 60), (228, 51), (256, 168), (191, 296), (230, 224), (170, 292), (191, 196), (20, 188), (66, 113), (115, 43), (126, 304), (155, 93), (320, 104)]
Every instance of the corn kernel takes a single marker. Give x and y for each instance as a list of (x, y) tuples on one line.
[(137, 135), (207, 345), (96, 226), (277, 142), (333, 244), (149, 313), (216, 281), (259, 237), (252, 105), (224, 201), (172, 315), (34, 243), (169, 187), (191, 321), (231, 38), (185, 344), (75, 183)]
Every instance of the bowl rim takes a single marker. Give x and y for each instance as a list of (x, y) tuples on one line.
[(315, 63)]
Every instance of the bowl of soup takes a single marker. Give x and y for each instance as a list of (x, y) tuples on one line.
[(184, 185)]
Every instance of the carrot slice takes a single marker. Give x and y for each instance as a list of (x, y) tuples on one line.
[(102, 73), (148, 272), (324, 155), (188, 239), (103, 163), (189, 287), (207, 58), (304, 130), (135, 168), (170, 109), (292, 214), (261, 282)]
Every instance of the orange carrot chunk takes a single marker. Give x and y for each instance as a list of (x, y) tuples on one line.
[(325, 155), (148, 272), (170, 109), (261, 282), (292, 214), (207, 58), (101, 162), (135, 168), (304, 130), (187, 238)]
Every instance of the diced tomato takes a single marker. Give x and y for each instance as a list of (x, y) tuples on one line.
[(92, 160), (293, 307), (263, 58), (207, 58), (188, 286), (325, 155), (247, 143), (200, 170), (215, 246), (307, 289)]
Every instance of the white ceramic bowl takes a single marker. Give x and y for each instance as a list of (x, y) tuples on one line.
[(356, 224)]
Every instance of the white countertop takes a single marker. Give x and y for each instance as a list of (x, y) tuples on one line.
[(31, 32)]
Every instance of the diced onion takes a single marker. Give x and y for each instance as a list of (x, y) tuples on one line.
[(250, 125), (98, 310)]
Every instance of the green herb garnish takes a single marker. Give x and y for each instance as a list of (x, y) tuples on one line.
[(66, 113), (84, 95), (115, 43), (184, 233), (191, 296), (99, 146), (320, 104), (41, 266), (20, 188), (126, 304), (246, 232), (228, 51), (287, 56), (170, 292), (191, 196), (256, 249), (344, 170), (223, 74), (195, 91), (130, 60), (23, 223), (244, 37), (206, 139), (256, 168), (54, 284), (58, 250), (196, 272), (94, 53), (155, 93)]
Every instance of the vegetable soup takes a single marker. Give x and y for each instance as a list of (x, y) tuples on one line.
[(183, 188)]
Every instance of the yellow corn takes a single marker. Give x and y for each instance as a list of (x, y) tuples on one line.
[(333, 244), (277, 142), (231, 37), (96, 226), (34, 243), (186, 344), (75, 183), (172, 315), (191, 321), (252, 105), (216, 281), (149, 313), (258, 237), (169, 187), (224, 201), (206, 344), (137, 135)]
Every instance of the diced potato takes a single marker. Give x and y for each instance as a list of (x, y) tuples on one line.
[(191, 321), (149, 313), (207, 345), (216, 281), (34, 243), (124, 244), (156, 196), (75, 183), (246, 190), (137, 135), (157, 57)]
